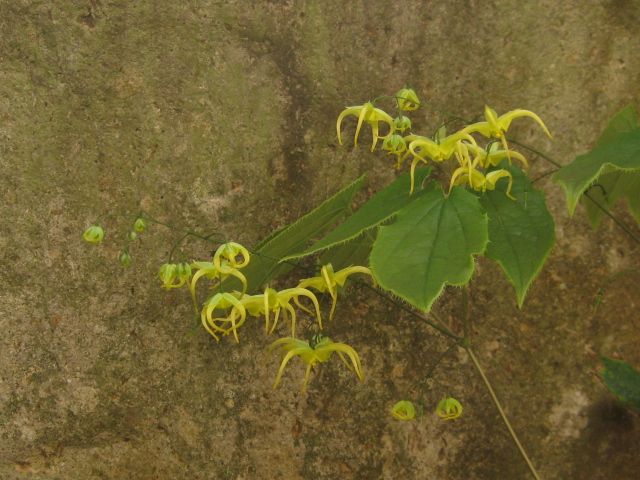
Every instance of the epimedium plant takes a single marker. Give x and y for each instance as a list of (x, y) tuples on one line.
[(412, 239)]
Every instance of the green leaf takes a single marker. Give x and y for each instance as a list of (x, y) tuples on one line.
[(623, 121), (431, 244), (623, 380), (353, 252), (521, 232), (617, 185), (379, 208), (295, 237), (616, 156), (610, 188)]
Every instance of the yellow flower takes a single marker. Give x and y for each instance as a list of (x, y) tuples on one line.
[(403, 410), (467, 173), (227, 259), (439, 150), (235, 318), (366, 113), (93, 234), (496, 126), (495, 155), (212, 272), (318, 350), (329, 281), (226, 256), (274, 301), (407, 99), (449, 408)]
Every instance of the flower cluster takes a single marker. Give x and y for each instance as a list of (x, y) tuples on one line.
[(477, 165), (224, 312)]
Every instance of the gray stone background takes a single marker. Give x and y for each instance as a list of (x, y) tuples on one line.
[(221, 115)]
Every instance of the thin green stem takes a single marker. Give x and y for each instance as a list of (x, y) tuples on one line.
[(502, 413), (614, 218), (439, 326), (465, 313)]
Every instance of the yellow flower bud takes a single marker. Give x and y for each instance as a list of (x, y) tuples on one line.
[(404, 410), (140, 225), (449, 408), (400, 124), (125, 259), (93, 234), (407, 99), (395, 144)]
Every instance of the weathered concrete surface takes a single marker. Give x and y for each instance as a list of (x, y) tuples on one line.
[(221, 115)]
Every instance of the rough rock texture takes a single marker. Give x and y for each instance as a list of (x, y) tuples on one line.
[(219, 115)]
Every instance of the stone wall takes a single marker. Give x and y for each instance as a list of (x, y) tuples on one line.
[(220, 115)]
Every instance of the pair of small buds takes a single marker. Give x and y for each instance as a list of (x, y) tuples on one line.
[(448, 409), (174, 275), (139, 226)]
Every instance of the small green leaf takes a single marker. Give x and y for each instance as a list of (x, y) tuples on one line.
[(623, 381), (382, 206), (431, 244), (521, 232), (617, 185), (295, 237), (615, 157)]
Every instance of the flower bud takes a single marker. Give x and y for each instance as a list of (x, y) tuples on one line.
[(403, 410), (125, 259), (394, 144), (93, 234), (407, 99), (183, 273), (400, 124), (449, 408), (168, 273), (174, 275), (132, 235), (140, 225)]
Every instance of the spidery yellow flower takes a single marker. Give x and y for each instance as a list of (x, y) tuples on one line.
[(495, 155), (496, 126), (439, 150), (468, 173), (366, 113), (227, 260), (329, 281), (223, 325), (275, 301), (318, 350)]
